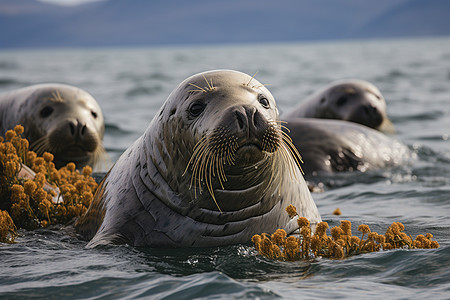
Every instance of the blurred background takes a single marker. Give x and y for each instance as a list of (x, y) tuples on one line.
[(130, 54), (98, 23)]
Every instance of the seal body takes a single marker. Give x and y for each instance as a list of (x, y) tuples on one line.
[(328, 146), (351, 100), (61, 119), (211, 169)]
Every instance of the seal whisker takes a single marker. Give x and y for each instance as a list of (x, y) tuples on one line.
[(196, 175), (221, 172), (210, 85), (287, 129), (191, 91), (248, 83), (197, 149), (261, 85), (209, 185), (217, 162), (200, 88), (99, 158), (41, 145), (292, 150), (289, 143), (56, 97), (207, 161), (202, 164)]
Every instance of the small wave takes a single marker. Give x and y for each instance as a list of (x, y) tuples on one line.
[(391, 75), (8, 81), (114, 129), (144, 90), (7, 65), (425, 116), (159, 76)]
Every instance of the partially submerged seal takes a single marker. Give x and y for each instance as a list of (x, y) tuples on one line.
[(351, 100), (329, 146), (61, 119), (213, 168)]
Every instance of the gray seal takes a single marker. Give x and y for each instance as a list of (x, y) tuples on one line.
[(61, 119), (329, 146), (351, 100), (213, 168)]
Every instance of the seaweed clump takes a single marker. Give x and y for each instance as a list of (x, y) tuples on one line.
[(33, 193), (339, 245)]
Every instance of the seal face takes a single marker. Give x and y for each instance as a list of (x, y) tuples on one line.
[(354, 100), (61, 119), (213, 168)]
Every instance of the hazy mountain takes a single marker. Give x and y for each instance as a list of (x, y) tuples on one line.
[(28, 23), (413, 18)]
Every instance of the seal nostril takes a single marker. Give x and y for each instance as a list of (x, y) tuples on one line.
[(341, 101), (254, 119), (370, 111), (366, 110), (83, 130), (240, 119), (72, 128)]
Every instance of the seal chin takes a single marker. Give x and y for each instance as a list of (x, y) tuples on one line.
[(75, 151), (249, 154), (78, 154)]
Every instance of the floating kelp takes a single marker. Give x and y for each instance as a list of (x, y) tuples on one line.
[(39, 195), (340, 244)]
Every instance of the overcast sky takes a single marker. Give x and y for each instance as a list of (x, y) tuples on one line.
[(67, 2)]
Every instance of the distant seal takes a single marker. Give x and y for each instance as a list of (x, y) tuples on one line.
[(213, 168), (351, 100), (329, 146), (61, 119)]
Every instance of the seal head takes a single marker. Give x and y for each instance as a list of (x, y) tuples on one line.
[(61, 119), (351, 100), (213, 168)]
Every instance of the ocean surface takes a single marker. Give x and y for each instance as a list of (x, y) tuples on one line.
[(131, 85)]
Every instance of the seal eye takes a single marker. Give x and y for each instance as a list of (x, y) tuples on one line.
[(264, 102), (46, 111), (196, 109), (94, 114)]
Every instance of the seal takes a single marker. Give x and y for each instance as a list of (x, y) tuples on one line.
[(329, 146), (61, 119), (351, 100), (213, 168)]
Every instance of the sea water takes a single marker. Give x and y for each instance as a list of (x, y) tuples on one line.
[(131, 84)]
